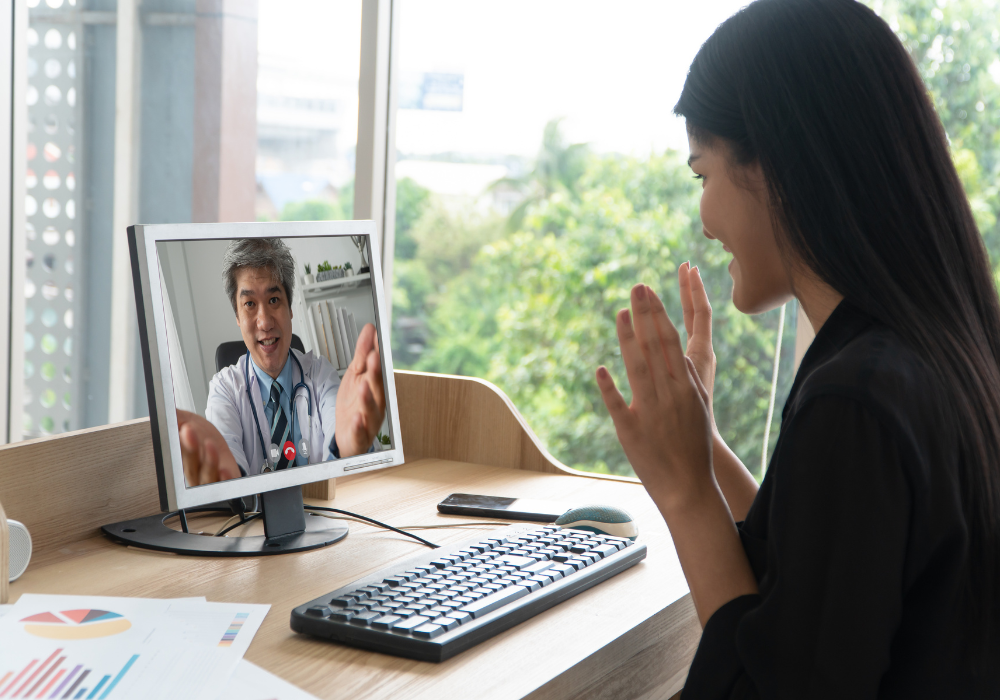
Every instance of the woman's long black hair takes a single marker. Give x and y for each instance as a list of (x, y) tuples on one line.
[(824, 96)]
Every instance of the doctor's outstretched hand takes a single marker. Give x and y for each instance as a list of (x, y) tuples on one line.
[(207, 457), (361, 397), (666, 431)]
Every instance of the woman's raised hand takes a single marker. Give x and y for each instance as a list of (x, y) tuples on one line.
[(666, 431), (698, 324)]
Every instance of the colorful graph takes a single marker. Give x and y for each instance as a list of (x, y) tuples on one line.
[(76, 624), (54, 678), (233, 630)]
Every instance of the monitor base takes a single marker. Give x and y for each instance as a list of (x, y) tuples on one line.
[(286, 529), (151, 533)]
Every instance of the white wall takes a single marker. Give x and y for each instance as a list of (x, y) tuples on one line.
[(204, 316)]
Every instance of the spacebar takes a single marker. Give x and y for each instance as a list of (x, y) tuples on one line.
[(496, 600)]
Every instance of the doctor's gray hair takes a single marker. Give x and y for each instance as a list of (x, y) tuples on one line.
[(258, 253)]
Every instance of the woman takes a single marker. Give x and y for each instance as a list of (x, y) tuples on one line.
[(868, 563)]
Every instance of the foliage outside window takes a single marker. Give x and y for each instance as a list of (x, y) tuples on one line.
[(527, 299)]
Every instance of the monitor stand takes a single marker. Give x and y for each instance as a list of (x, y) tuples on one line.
[(287, 528)]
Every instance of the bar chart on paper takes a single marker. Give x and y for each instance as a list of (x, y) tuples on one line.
[(104, 648), (60, 676)]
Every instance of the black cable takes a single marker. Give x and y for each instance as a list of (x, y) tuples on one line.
[(222, 533), (348, 513)]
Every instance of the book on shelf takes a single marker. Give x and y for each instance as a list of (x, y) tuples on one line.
[(332, 337), (344, 337), (352, 328), (317, 319)]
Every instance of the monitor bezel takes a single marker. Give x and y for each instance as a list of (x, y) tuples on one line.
[(174, 494)]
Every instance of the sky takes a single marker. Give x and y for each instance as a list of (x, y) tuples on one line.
[(613, 71)]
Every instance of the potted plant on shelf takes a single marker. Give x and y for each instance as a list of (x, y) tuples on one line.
[(308, 278), (325, 271), (383, 441), (348, 272)]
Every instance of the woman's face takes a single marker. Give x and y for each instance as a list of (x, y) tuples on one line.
[(736, 214)]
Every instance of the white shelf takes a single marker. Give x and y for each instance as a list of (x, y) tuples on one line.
[(341, 283)]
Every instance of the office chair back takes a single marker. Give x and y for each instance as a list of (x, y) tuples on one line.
[(229, 353)]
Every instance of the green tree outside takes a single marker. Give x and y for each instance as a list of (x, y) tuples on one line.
[(528, 302)]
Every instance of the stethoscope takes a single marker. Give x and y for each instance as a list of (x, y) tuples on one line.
[(275, 452)]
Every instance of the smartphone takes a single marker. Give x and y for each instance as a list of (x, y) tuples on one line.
[(500, 507)]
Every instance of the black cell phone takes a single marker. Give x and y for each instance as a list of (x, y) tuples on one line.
[(500, 507)]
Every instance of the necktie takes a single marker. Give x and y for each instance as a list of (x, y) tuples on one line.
[(279, 426)]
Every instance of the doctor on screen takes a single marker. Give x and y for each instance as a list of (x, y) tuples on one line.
[(277, 407)]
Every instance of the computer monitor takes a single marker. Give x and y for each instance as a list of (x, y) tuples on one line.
[(244, 349)]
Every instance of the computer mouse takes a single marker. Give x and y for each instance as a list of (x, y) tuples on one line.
[(605, 520)]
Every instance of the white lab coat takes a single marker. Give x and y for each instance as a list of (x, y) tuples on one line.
[(229, 409)]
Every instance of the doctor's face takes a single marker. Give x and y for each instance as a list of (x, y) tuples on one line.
[(264, 317)]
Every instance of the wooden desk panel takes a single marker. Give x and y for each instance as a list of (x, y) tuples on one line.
[(631, 636)]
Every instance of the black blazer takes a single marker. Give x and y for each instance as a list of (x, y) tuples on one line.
[(856, 537)]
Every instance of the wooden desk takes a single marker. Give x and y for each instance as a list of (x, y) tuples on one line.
[(631, 636)]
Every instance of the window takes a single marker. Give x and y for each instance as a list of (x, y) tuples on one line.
[(248, 113), (539, 175)]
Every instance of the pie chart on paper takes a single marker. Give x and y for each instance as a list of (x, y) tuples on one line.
[(76, 624)]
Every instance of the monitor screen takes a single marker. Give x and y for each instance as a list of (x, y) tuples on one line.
[(269, 351)]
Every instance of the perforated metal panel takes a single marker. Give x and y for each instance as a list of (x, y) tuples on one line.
[(51, 375)]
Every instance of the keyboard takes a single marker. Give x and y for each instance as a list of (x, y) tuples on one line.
[(439, 604)]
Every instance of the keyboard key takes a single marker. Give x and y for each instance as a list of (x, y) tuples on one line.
[(428, 631), (365, 618), (342, 601), (386, 622), (398, 579), (491, 602), (318, 611), (541, 579), (530, 584), (538, 567), (460, 616), (605, 550), (493, 587), (562, 557), (564, 569), (375, 588), (579, 549), (437, 611), (463, 599), (455, 605), (408, 624), (449, 623), (341, 615), (507, 581)]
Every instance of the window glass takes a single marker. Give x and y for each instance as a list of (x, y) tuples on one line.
[(535, 186), (273, 139), (540, 174)]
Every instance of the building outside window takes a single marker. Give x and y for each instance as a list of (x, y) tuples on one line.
[(235, 112)]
